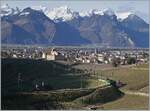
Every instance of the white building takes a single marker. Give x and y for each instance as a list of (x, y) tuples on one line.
[(100, 57), (14, 56), (43, 55), (51, 55)]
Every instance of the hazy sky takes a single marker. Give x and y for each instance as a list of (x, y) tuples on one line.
[(140, 7)]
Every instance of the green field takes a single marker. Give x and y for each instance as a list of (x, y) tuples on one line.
[(34, 72), (54, 74), (134, 77), (59, 75)]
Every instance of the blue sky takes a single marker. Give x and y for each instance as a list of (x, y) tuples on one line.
[(140, 7)]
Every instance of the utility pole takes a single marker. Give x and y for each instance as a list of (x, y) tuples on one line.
[(94, 70), (7, 43), (112, 74), (53, 68), (81, 81), (43, 84), (19, 81), (97, 79), (81, 85)]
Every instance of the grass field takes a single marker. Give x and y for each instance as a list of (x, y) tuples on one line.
[(72, 82), (57, 75), (34, 72), (128, 102), (135, 78), (142, 66)]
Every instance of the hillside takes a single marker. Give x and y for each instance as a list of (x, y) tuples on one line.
[(63, 85)]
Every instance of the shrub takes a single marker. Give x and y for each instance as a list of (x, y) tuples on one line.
[(131, 60), (115, 62)]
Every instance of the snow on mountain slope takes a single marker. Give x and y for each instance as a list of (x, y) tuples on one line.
[(104, 29), (7, 10), (91, 12), (109, 12), (123, 15), (62, 13), (45, 10), (24, 13)]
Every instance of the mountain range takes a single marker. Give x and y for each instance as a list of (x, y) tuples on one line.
[(62, 26)]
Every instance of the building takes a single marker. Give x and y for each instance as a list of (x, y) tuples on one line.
[(100, 57), (53, 55)]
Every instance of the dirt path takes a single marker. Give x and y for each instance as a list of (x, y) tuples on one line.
[(136, 93), (140, 69)]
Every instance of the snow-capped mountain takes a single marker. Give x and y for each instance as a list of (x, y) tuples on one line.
[(7, 10), (62, 13), (63, 26)]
